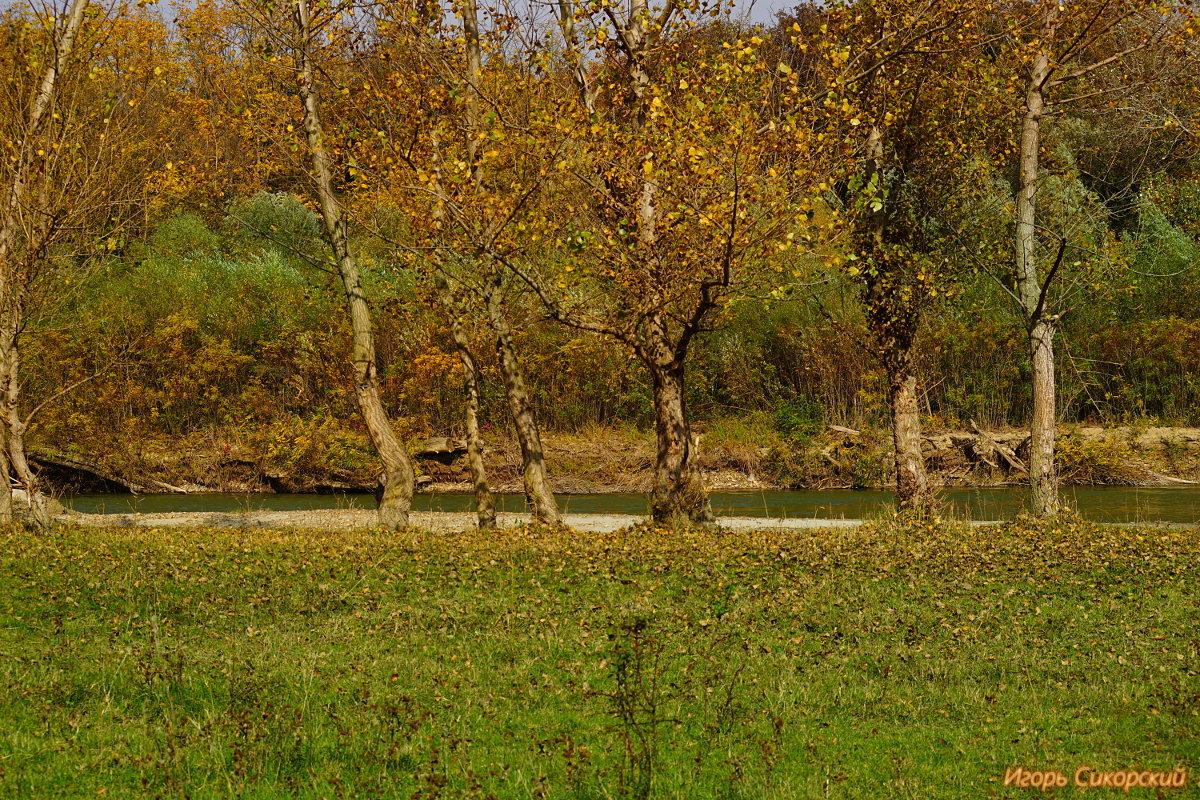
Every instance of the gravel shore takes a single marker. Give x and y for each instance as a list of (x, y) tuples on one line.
[(445, 521)]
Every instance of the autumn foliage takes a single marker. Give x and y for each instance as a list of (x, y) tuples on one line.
[(606, 214)]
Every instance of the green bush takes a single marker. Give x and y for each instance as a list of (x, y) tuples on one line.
[(799, 419)]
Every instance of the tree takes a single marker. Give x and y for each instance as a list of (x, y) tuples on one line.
[(485, 507), (672, 188), (301, 36), (894, 80), (79, 123), (431, 153), (1058, 46)]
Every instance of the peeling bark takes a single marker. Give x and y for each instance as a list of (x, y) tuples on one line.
[(679, 495), (537, 485), (485, 507)]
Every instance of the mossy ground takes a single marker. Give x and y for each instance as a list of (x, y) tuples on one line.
[(894, 660)]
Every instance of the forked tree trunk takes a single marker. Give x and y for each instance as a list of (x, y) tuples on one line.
[(398, 476), (485, 507), (533, 459), (1043, 478), (679, 495)]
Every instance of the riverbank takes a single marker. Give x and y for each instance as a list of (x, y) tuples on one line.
[(619, 460), (1108, 504), (431, 521)]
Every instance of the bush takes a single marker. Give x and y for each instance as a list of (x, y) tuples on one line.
[(799, 420)]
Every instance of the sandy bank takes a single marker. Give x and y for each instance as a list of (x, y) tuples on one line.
[(354, 519)]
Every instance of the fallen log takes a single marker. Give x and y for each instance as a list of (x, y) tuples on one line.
[(844, 430), (1170, 478), (1004, 451)]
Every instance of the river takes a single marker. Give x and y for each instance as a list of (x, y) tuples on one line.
[(1099, 503)]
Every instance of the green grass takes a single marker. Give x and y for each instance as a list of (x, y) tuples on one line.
[(885, 662)]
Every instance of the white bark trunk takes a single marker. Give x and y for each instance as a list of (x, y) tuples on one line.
[(1043, 478)]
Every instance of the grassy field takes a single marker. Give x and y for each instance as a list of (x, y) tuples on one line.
[(890, 661)]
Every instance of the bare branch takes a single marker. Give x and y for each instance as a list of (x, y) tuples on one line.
[(1036, 316)]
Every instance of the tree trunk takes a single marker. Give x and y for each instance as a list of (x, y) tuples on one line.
[(484, 505), (1032, 293), (13, 436), (679, 495), (398, 476), (912, 482), (14, 439), (1043, 475), (893, 315), (537, 486), (893, 322), (6, 493), (15, 458), (12, 462)]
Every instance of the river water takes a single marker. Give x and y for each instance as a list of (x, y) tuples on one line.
[(1099, 503)]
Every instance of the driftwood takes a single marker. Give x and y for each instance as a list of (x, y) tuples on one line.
[(1158, 476), (441, 445), (442, 449), (833, 462), (846, 431), (956, 454), (987, 445)]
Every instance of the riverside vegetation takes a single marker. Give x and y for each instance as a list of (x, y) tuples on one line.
[(291, 239), (898, 659), (226, 373)]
